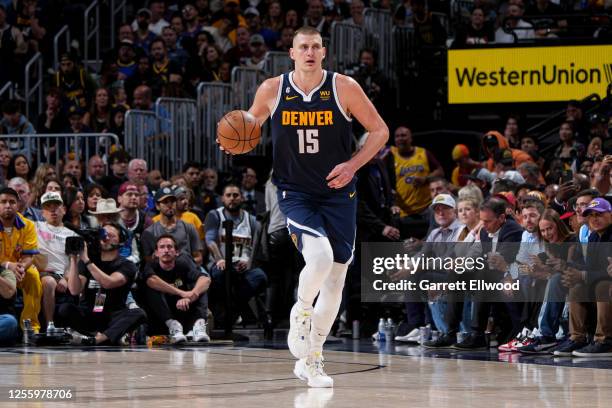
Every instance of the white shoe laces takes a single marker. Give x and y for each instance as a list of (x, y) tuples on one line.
[(316, 366)]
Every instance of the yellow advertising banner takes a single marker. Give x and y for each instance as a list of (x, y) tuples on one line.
[(528, 74)]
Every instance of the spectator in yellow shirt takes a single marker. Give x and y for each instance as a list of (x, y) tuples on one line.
[(19, 243)]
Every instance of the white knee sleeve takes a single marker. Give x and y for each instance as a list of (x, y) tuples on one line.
[(319, 258)]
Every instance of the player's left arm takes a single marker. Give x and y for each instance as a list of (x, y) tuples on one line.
[(356, 103)]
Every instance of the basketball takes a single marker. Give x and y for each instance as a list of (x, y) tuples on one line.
[(238, 132)]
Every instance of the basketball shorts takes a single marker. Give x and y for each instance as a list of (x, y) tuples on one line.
[(331, 216)]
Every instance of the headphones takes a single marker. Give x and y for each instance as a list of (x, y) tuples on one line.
[(123, 233)]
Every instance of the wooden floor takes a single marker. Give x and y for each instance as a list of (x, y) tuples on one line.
[(250, 377)]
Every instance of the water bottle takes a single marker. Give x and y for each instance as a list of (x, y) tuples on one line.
[(28, 331), (381, 330), (390, 329)]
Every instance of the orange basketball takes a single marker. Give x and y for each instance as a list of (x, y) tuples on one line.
[(238, 132)]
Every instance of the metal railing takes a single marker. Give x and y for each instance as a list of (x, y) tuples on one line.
[(51, 147), (65, 32), (7, 90), (91, 36), (278, 62), (143, 138), (117, 7), (346, 42), (378, 25), (214, 101), (245, 81), (33, 91), (184, 141)]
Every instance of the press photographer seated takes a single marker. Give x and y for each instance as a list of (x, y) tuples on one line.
[(176, 292), (105, 286)]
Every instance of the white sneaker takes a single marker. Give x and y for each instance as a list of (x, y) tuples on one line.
[(311, 369), (176, 332), (51, 328), (413, 337), (298, 338), (199, 332)]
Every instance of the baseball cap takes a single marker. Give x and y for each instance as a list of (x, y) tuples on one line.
[(144, 11), (256, 39), (600, 205), (251, 11), (164, 193), (51, 197), (482, 174), (178, 191), (127, 186), (444, 199), (513, 176)]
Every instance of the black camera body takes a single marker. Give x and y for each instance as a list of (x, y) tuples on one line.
[(92, 236)]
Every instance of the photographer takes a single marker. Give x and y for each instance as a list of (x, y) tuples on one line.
[(52, 262), (176, 291), (105, 286)]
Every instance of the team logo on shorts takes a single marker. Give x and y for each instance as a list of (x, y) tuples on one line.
[(294, 239)]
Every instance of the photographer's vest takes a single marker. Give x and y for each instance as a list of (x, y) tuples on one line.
[(242, 235)]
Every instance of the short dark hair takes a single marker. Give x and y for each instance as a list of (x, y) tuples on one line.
[(10, 191), (433, 179), (11, 107), (168, 236), (534, 203), (190, 164), (230, 185), (157, 40), (589, 192), (120, 156), (495, 205)]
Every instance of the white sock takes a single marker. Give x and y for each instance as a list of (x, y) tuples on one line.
[(328, 304), (319, 258)]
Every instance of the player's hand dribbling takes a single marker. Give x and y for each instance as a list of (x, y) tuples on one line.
[(341, 175), (221, 147)]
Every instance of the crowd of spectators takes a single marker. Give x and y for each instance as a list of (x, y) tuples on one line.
[(155, 259)]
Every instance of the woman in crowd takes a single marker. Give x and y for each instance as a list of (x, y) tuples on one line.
[(98, 118), (93, 192), (74, 201), (19, 167)]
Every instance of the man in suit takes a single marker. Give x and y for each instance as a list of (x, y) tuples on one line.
[(500, 238), (254, 201)]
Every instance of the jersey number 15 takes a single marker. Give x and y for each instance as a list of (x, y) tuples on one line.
[(308, 140)]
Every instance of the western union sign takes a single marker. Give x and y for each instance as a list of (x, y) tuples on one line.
[(534, 74)]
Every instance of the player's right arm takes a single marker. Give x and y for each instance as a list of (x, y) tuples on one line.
[(265, 98)]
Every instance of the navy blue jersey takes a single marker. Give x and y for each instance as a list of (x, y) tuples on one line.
[(311, 134)]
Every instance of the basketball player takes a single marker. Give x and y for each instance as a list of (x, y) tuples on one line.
[(310, 111)]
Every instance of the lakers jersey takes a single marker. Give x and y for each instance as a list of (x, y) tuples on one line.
[(411, 199), (311, 134)]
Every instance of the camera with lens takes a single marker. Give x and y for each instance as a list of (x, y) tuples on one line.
[(90, 236)]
